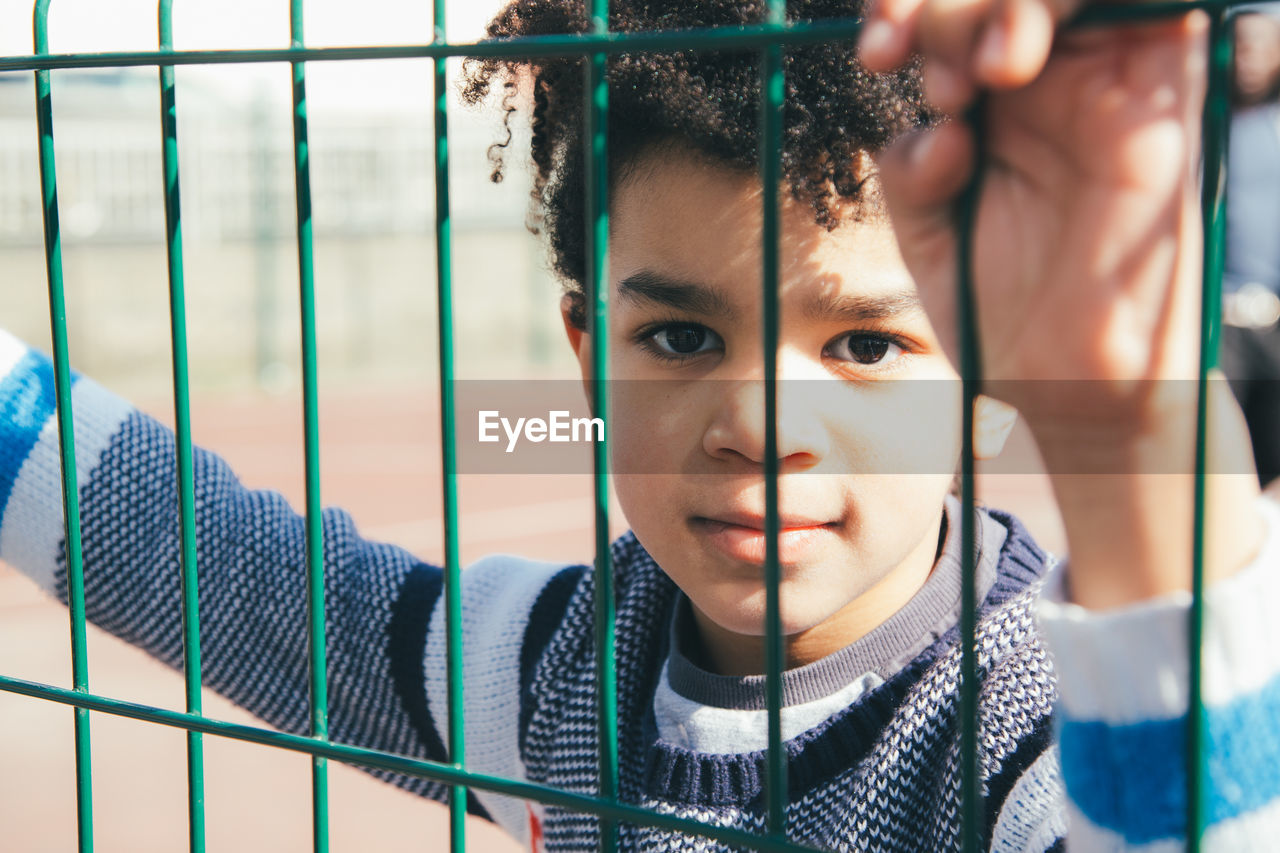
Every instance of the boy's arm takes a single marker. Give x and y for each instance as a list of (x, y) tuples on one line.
[(384, 617), (1087, 272), (1087, 259)]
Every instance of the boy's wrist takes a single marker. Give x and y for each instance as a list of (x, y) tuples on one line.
[(1130, 538), (1126, 491)]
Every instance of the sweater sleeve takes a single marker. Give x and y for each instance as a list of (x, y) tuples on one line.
[(1123, 680), (384, 613)]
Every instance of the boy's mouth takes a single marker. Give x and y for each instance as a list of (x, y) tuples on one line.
[(742, 536)]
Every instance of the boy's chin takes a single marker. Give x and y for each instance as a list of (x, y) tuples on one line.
[(797, 618)]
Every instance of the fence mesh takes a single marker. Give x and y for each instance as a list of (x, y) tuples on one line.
[(769, 37)]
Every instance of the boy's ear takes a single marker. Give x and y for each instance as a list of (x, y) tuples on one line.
[(570, 311), (992, 423)]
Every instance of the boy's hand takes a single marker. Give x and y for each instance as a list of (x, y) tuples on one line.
[(1087, 242), (1087, 266)]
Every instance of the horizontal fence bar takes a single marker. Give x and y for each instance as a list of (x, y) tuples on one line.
[(719, 38), (378, 759), (1120, 13)]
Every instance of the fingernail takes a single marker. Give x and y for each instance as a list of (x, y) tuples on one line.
[(876, 37), (991, 51)]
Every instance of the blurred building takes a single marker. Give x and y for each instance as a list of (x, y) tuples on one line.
[(370, 171), (373, 208)]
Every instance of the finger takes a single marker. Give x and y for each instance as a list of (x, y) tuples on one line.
[(922, 174), (947, 30), (886, 39), (1015, 45), (946, 36)]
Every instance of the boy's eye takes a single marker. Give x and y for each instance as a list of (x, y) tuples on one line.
[(680, 339), (865, 348)]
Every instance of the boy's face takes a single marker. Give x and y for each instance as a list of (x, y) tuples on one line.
[(866, 457)]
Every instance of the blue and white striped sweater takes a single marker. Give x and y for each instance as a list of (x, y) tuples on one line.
[(878, 776), (1122, 714)]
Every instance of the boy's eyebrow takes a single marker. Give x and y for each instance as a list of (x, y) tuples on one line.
[(652, 287), (648, 286), (854, 309)]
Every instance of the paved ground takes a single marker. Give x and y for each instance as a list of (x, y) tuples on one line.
[(378, 462)]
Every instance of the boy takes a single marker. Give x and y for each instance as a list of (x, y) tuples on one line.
[(1097, 286)]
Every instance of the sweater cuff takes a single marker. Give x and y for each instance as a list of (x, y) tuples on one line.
[(1122, 722), (31, 518), (1130, 664)]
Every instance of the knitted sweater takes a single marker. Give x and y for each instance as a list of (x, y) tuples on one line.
[(880, 773)]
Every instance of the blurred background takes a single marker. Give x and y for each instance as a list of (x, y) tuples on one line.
[(373, 188)]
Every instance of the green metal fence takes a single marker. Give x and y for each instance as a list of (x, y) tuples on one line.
[(769, 37)]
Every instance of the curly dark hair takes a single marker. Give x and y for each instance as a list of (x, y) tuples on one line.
[(835, 113)]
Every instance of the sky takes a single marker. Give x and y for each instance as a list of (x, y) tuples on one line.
[(111, 25), (85, 25)]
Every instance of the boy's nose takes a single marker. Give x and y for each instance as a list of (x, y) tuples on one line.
[(737, 431)]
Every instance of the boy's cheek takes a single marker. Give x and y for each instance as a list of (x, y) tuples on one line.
[(655, 426), (654, 507), (899, 427)]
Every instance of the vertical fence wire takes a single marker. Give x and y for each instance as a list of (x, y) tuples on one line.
[(1214, 125), (971, 386), (66, 430), (448, 441), (596, 117), (773, 90), (182, 443), (311, 441)]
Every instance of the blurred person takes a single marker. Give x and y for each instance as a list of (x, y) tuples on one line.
[(1251, 279)]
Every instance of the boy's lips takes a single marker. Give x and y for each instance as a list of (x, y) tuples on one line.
[(742, 536)]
